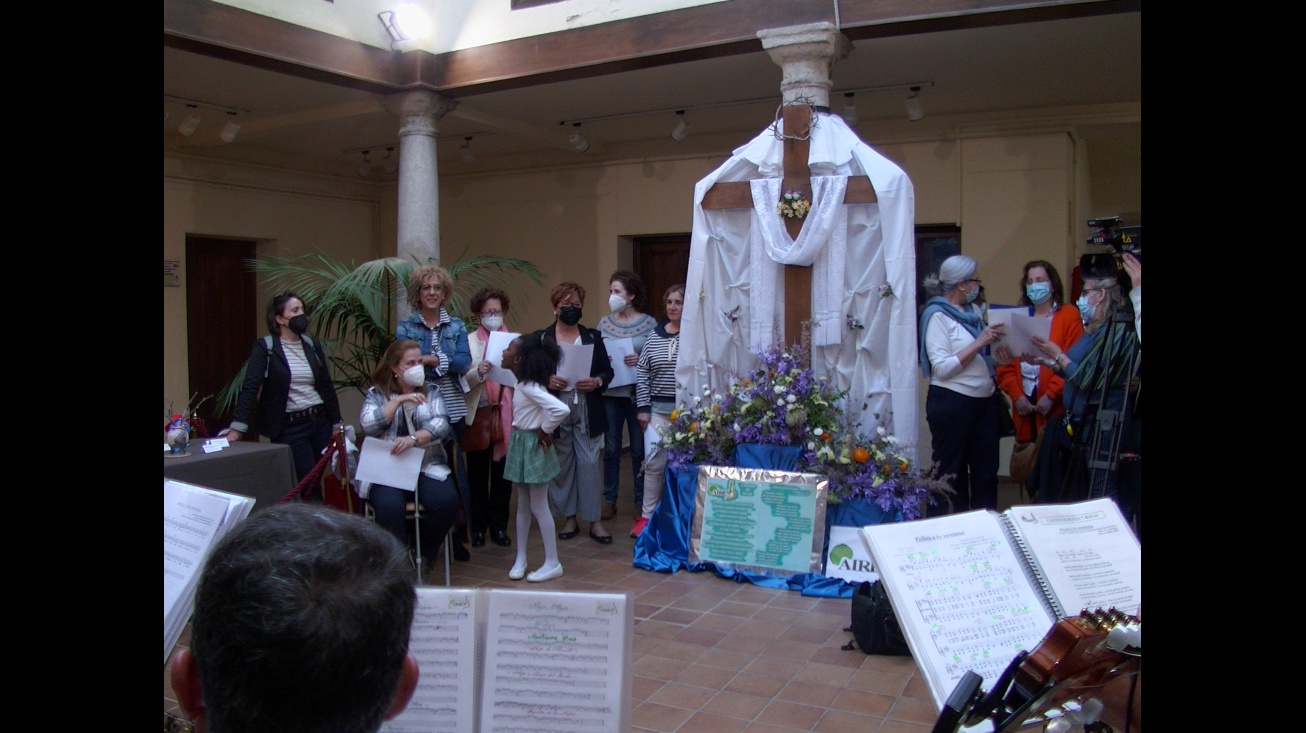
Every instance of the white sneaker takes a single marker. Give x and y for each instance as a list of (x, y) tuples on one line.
[(542, 575)]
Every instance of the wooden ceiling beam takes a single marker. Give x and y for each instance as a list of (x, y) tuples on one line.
[(705, 31)]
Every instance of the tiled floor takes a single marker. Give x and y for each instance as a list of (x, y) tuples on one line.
[(714, 656)]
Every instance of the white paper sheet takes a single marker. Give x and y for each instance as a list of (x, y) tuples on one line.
[(555, 662), (618, 350), (377, 466), (494, 349), (1020, 329), (576, 362), (443, 641)]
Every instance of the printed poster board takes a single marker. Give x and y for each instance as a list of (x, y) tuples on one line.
[(759, 521)]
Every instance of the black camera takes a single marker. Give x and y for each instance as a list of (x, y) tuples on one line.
[(1120, 239)]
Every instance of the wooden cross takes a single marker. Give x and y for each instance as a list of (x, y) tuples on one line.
[(797, 177)]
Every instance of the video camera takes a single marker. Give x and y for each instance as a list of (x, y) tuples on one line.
[(1120, 239)]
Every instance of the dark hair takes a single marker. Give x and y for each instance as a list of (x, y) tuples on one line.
[(538, 359), (562, 290), (276, 306), (634, 288), (484, 294), (1058, 292), (301, 623), (383, 376)]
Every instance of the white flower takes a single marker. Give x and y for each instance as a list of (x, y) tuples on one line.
[(791, 399), (698, 400), (780, 389), (817, 432), (811, 445)]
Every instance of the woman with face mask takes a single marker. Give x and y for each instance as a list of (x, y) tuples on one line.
[(960, 407), (1101, 373), (1034, 387), (490, 491), (403, 408), (577, 491), (627, 320), (446, 358), (287, 374)]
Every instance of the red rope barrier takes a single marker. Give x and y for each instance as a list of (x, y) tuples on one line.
[(337, 445)]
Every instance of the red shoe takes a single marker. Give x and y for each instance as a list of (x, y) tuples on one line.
[(637, 528)]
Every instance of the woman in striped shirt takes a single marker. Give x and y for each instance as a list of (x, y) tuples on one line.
[(655, 398)]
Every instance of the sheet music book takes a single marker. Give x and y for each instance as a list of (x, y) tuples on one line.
[(508, 660), (195, 519), (972, 590)]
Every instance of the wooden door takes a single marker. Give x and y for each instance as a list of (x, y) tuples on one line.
[(661, 261), (221, 317)]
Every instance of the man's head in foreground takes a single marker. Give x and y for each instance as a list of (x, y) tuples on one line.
[(301, 623)]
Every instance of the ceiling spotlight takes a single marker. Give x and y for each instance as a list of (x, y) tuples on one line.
[(682, 130), (406, 25), (468, 155), (576, 140), (914, 111), (230, 129), (389, 163), (365, 169), (849, 110), (190, 124)]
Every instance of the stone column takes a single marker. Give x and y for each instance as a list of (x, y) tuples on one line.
[(805, 53), (419, 190)]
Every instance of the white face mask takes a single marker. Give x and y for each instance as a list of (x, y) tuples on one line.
[(616, 303), (415, 376), (492, 323)]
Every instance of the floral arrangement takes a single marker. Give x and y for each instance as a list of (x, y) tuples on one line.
[(855, 323), (783, 402), (793, 205), (872, 469)]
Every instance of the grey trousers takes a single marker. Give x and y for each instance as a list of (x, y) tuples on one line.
[(578, 488)]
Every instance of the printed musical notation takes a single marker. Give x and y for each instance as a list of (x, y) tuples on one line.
[(965, 596)]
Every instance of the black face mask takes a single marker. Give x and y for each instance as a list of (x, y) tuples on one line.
[(569, 315), (299, 324)]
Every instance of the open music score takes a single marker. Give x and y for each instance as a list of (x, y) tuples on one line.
[(507, 660), (972, 590)]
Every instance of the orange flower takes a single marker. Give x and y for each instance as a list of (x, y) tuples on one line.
[(693, 427), (861, 455), (827, 435), (675, 414), (744, 382)]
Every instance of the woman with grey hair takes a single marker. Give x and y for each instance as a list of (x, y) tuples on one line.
[(960, 407), (1100, 371)]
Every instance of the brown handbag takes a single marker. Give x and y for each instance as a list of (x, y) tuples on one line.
[(1023, 455), (486, 429)]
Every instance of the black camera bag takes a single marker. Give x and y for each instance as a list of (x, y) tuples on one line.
[(874, 626)]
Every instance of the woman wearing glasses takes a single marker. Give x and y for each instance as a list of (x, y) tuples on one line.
[(490, 491), (445, 356), (960, 407), (577, 489)]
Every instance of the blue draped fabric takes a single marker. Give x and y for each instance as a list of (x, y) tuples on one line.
[(664, 545)]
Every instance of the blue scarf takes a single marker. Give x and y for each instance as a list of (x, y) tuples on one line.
[(969, 320)]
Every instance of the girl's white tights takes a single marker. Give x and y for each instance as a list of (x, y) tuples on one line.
[(537, 506)]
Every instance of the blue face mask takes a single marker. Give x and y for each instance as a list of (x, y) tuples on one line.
[(1038, 293), (972, 295), (1086, 311)]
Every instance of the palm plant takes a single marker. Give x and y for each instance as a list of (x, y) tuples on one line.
[(352, 306)]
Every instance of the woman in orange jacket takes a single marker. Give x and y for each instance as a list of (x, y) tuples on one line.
[(1034, 389)]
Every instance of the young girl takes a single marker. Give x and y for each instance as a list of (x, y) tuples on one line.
[(531, 461)]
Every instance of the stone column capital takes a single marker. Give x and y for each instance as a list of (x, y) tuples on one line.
[(805, 53)]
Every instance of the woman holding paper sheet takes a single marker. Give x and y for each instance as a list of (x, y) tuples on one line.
[(627, 321), (403, 408), (960, 406), (1034, 387), (490, 491), (577, 490)]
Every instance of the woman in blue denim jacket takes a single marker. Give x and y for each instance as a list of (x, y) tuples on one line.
[(446, 358)]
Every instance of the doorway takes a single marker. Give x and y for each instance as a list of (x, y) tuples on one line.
[(661, 261), (221, 318)]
